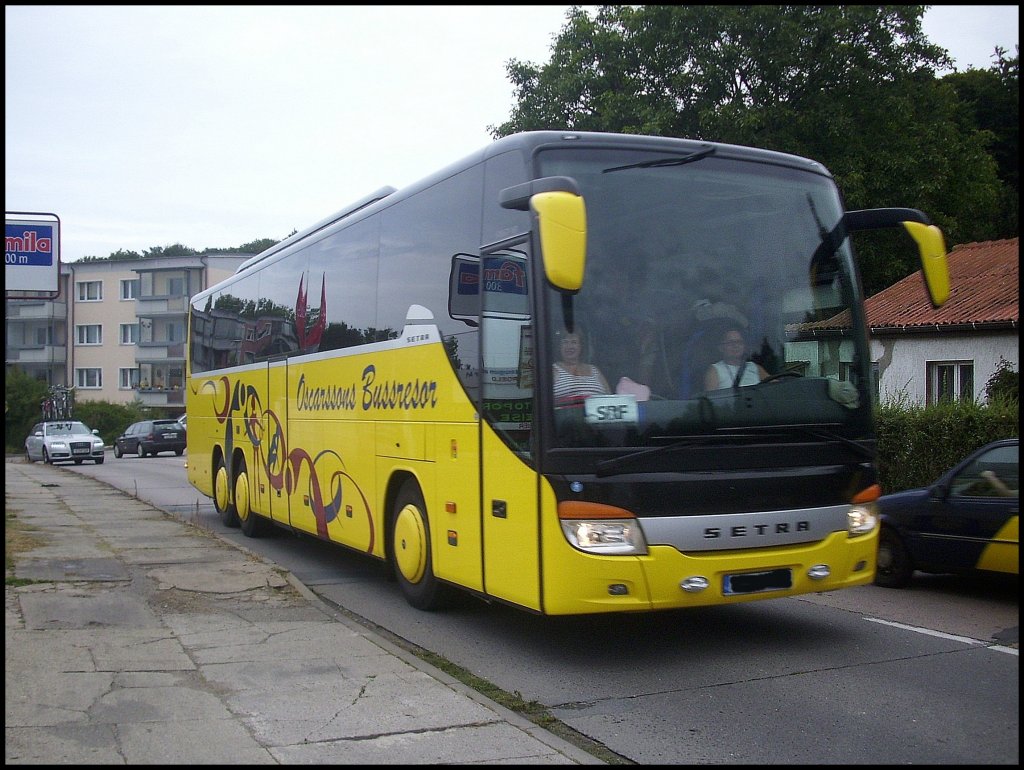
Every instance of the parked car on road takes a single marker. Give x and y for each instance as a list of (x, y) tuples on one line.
[(64, 440), (151, 437), (967, 521)]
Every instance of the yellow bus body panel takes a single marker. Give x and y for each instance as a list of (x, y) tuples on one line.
[(577, 582), (511, 525), (456, 531), (493, 523)]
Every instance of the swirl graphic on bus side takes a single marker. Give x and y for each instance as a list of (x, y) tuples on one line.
[(283, 467)]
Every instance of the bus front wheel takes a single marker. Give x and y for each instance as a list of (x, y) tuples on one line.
[(411, 552), (222, 495)]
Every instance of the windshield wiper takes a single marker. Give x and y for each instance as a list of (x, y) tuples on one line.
[(820, 431), (675, 161), (613, 466), (817, 430)]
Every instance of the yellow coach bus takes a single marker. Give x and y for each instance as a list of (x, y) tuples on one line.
[(386, 379)]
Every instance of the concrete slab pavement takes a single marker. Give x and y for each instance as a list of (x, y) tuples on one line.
[(132, 637)]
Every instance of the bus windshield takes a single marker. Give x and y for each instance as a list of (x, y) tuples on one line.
[(718, 303)]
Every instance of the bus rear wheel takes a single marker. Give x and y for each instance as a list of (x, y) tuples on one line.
[(411, 552), (222, 495), (252, 524)]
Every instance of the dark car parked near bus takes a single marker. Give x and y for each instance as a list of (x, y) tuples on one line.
[(966, 521), (150, 437)]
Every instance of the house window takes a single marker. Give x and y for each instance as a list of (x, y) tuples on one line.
[(44, 335), (89, 378), (847, 372), (128, 379), (130, 288), (176, 287), (129, 334), (950, 380), (89, 334), (89, 291)]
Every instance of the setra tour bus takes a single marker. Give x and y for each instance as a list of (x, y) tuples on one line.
[(384, 379)]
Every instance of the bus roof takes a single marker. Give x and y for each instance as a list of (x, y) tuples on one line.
[(529, 142)]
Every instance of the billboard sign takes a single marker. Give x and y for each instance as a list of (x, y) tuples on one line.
[(32, 252)]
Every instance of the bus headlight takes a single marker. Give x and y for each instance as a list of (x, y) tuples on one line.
[(862, 517), (601, 529), (606, 536)]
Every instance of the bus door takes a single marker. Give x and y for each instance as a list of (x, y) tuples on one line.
[(511, 529)]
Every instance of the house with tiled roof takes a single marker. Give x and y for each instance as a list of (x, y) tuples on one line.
[(923, 354)]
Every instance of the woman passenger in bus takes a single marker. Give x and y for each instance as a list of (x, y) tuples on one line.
[(575, 379), (733, 369)]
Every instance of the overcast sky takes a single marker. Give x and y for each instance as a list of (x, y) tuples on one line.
[(215, 126)]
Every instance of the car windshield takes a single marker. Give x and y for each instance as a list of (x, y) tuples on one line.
[(67, 429)]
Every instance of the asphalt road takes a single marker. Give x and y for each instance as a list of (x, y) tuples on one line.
[(867, 675)]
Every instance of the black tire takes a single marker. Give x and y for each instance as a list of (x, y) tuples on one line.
[(411, 554), (78, 462), (99, 460), (895, 567), (143, 452), (46, 457), (179, 452), (252, 524), (222, 497), (117, 452)]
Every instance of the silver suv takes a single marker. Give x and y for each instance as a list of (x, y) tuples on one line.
[(64, 440)]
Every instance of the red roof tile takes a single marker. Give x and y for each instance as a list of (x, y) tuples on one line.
[(984, 289)]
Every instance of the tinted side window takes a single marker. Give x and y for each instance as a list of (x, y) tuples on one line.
[(283, 285), (341, 301), (419, 237)]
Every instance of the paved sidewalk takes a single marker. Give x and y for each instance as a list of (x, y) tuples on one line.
[(143, 639)]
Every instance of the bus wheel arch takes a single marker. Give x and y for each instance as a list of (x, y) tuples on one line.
[(222, 493), (409, 548)]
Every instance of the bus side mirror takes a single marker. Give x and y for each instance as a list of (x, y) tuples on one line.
[(931, 246), (562, 224), (560, 217)]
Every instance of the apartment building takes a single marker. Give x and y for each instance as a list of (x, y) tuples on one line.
[(117, 330)]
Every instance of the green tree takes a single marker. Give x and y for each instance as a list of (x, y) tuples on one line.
[(174, 250), (23, 397), (992, 98), (257, 246), (1004, 383), (851, 86)]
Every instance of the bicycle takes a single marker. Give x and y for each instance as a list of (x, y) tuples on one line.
[(59, 404)]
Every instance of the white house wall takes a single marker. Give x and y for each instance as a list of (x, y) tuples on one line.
[(903, 361)]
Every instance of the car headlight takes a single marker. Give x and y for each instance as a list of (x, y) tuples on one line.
[(862, 517), (601, 529)]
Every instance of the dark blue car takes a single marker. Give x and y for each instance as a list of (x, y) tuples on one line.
[(964, 522)]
